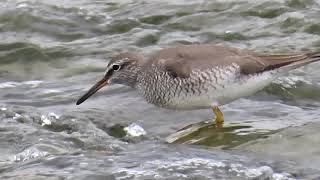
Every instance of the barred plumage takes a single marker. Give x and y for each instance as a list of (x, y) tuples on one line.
[(199, 90), (198, 76)]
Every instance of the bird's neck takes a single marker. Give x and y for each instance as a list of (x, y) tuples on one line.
[(132, 77)]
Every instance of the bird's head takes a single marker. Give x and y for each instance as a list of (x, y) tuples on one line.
[(122, 69)]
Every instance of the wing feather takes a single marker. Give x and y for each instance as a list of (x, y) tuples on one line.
[(180, 61)]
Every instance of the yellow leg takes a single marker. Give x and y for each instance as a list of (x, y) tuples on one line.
[(219, 116)]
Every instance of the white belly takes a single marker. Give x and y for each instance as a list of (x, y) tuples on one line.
[(224, 94)]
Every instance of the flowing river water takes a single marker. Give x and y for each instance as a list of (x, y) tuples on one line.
[(52, 51)]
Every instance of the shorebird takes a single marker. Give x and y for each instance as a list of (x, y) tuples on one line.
[(191, 77)]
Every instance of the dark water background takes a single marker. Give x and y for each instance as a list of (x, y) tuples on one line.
[(52, 51)]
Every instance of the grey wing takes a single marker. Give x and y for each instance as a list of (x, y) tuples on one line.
[(182, 60), (180, 68)]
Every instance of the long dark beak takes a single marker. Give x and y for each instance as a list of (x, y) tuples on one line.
[(103, 82)]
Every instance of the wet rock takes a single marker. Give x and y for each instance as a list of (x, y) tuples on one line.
[(117, 130), (127, 132)]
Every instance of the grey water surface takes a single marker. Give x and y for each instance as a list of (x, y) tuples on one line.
[(52, 51)]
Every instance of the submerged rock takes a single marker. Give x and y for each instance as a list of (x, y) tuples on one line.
[(127, 132)]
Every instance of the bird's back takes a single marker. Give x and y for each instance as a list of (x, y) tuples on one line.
[(184, 58)]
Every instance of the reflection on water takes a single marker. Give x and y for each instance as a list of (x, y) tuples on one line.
[(207, 134)]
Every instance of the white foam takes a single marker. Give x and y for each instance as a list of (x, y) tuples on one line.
[(51, 91), (12, 84), (30, 153), (8, 85), (16, 116), (199, 165), (291, 81), (52, 114), (134, 130), (45, 120), (33, 84)]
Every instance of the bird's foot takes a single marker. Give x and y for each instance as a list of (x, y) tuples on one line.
[(219, 123), (219, 117)]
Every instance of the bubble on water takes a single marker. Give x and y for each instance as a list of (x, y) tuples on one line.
[(134, 130), (3, 109)]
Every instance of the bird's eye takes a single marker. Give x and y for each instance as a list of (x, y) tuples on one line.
[(116, 67)]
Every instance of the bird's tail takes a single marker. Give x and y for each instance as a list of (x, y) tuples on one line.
[(286, 62), (307, 59)]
